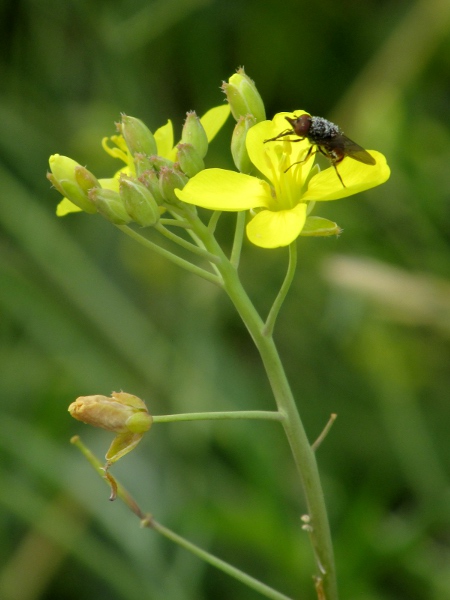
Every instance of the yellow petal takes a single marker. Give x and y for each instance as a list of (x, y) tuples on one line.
[(65, 207), (112, 183), (214, 119), (164, 140), (356, 176), (273, 229), (219, 189)]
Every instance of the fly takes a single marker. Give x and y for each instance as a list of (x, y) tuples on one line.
[(327, 138)]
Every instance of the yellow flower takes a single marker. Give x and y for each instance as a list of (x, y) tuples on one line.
[(279, 199)]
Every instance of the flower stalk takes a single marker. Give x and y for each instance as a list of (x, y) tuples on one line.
[(301, 449)]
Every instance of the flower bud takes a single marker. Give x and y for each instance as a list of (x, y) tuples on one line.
[(72, 181), (142, 163), (110, 205), (319, 227), (138, 201), (115, 413), (194, 134), (138, 136), (123, 413), (243, 97), (190, 161), (150, 180), (158, 162), (238, 147), (170, 180)]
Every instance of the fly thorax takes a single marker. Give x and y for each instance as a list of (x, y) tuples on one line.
[(321, 130)]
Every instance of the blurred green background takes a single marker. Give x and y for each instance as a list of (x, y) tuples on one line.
[(364, 331)]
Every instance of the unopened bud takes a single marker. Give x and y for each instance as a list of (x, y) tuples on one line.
[(123, 413), (110, 205), (243, 97), (194, 134), (150, 180), (189, 159), (138, 136), (170, 180), (142, 163), (138, 201), (238, 147), (72, 180), (158, 162)]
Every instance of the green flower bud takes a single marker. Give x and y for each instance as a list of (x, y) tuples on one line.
[(238, 147), (110, 205), (190, 161), (318, 226), (138, 136), (123, 413), (72, 181), (138, 201), (142, 163), (150, 180), (243, 97), (170, 180), (194, 134), (158, 162)]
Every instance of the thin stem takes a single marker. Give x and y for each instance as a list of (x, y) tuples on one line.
[(176, 239), (251, 582), (149, 522), (214, 220), (304, 457), (220, 416), (238, 239), (325, 431), (270, 322), (174, 223), (188, 215), (303, 454), (185, 264)]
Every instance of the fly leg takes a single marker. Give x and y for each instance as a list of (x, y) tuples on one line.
[(309, 153), (334, 162), (282, 134)]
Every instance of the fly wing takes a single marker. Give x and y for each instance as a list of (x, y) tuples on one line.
[(350, 148)]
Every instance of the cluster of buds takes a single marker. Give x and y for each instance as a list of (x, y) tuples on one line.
[(145, 186)]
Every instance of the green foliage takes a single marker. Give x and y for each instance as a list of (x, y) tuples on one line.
[(84, 310)]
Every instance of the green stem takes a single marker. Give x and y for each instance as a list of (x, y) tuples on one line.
[(251, 582), (273, 314), (185, 264), (149, 522), (220, 416), (176, 239), (174, 223), (214, 220), (303, 454), (238, 239), (261, 333)]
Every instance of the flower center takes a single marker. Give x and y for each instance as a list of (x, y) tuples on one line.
[(287, 182)]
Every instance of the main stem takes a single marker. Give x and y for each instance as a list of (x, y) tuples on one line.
[(303, 454)]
